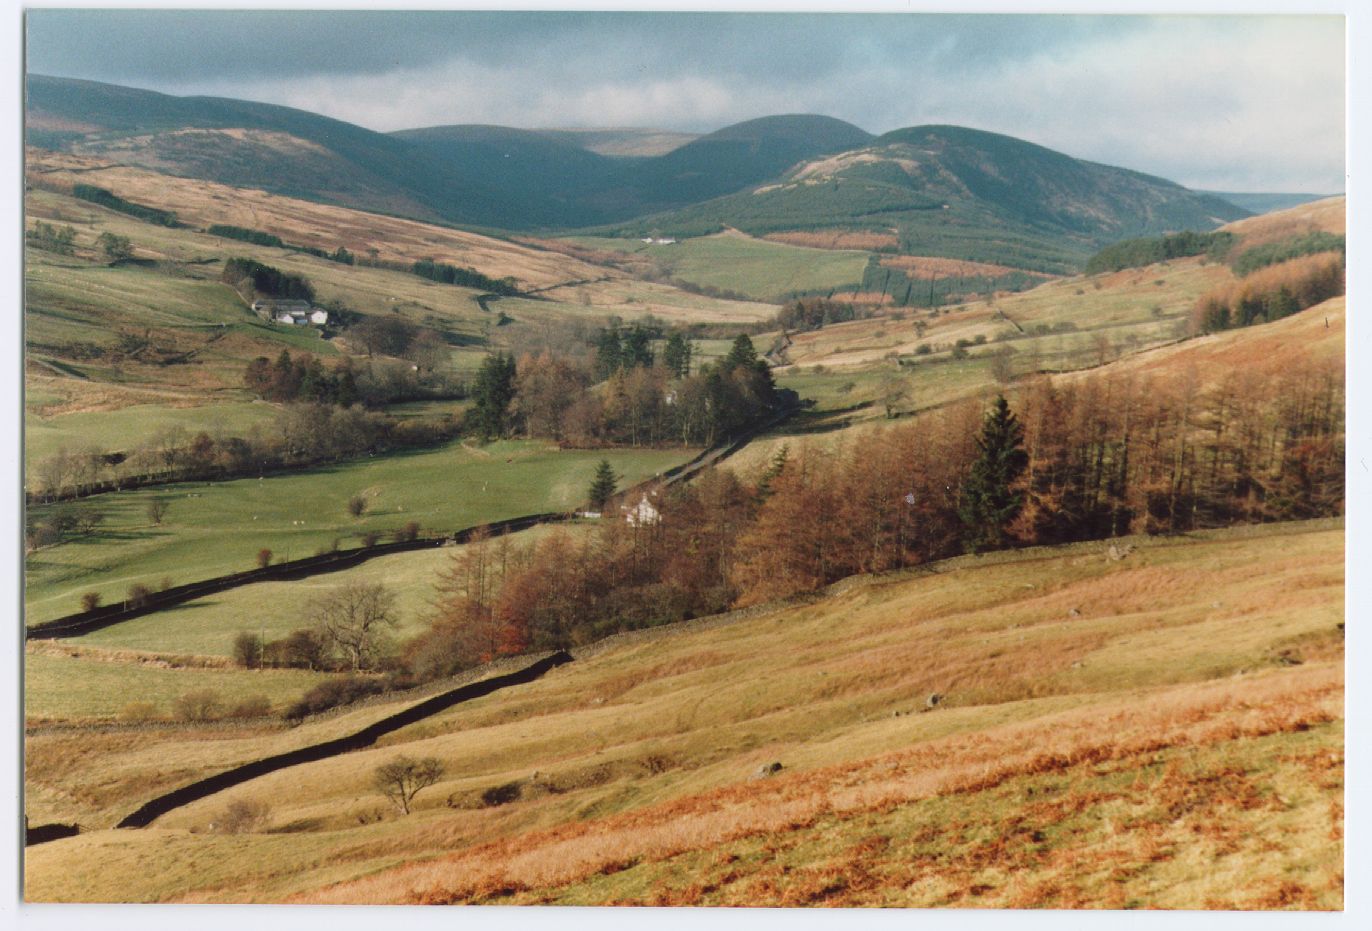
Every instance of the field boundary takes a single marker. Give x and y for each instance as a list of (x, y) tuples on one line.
[(150, 811)]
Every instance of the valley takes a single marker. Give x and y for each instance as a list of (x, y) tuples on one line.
[(882, 553)]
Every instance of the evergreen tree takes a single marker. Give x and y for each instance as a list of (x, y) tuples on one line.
[(608, 354), (638, 350), (494, 390), (741, 354), (989, 501), (603, 485), (676, 355)]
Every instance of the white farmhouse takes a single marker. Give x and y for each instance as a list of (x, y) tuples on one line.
[(642, 514)]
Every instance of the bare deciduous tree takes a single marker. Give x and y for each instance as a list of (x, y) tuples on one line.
[(353, 619), (402, 778)]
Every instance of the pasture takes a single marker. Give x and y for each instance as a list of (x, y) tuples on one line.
[(754, 268), (98, 685), (211, 529), (208, 626)]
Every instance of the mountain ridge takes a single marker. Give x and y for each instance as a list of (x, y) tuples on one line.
[(932, 190)]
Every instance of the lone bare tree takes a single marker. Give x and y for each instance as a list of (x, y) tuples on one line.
[(354, 618), (401, 779)]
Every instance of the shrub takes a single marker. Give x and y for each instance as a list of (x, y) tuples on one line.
[(371, 538), (264, 558), (409, 532), (332, 693), (243, 816), (157, 509), (357, 505), (203, 705), (137, 595), (114, 246), (138, 711), (90, 601), (247, 650), (254, 706)]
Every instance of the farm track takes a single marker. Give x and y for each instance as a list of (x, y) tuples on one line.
[(84, 622)]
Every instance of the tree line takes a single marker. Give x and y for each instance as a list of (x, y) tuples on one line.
[(112, 201), (261, 238), (444, 273), (1060, 462), (1149, 250), (301, 435)]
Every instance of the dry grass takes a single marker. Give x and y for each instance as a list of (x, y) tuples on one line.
[(1189, 716), (202, 203), (1329, 216), (645, 751), (837, 239)]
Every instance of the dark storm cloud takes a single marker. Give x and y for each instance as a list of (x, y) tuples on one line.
[(170, 46), (1228, 102)]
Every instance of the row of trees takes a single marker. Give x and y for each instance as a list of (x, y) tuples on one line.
[(302, 434), (553, 397), (463, 277), (1137, 253)]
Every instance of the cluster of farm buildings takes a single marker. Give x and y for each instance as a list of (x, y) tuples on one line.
[(291, 313)]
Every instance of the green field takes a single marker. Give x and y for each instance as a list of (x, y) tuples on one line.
[(755, 268), (273, 609), (213, 529), (129, 427), (74, 688)]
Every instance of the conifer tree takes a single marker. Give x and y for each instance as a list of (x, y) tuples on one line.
[(495, 389), (603, 485), (676, 355), (989, 499)]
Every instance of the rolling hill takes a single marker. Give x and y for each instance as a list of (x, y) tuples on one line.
[(1095, 746), (962, 194), (486, 176), (940, 191)]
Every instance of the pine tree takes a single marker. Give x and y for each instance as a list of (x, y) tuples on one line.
[(495, 389), (989, 500), (603, 486), (676, 355)]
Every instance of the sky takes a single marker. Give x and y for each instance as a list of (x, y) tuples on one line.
[(1236, 103)]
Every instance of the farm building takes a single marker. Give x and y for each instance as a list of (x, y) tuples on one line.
[(643, 514), (290, 313)]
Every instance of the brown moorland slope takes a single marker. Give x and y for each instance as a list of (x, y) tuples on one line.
[(1162, 729)]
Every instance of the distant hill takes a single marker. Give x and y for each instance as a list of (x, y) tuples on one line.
[(933, 190), (960, 193), (623, 142), (489, 176), (1258, 203)]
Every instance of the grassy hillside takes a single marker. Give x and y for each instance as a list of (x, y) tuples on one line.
[(488, 176), (1163, 730), (214, 529), (760, 270), (958, 193)]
